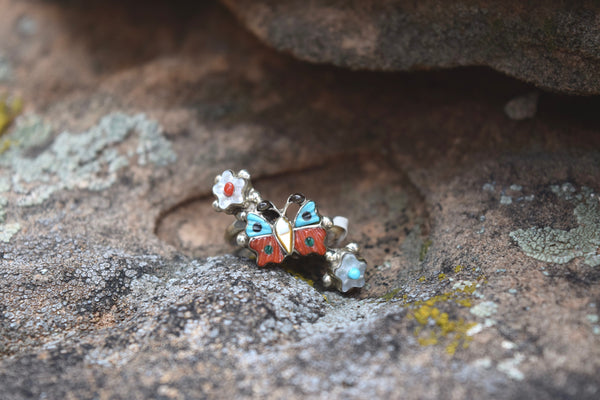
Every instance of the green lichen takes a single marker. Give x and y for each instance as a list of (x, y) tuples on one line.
[(391, 294), (484, 309), (561, 246), (3, 204), (424, 249), (7, 231), (5, 69), (89, 160)]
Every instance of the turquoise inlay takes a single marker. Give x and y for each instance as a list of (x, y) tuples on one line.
[(256, 220), (354, 273), (311, 208)]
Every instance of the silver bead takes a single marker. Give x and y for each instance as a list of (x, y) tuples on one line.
[(331, 256), (244, 174), (327, 280), (215, 205), (352, 248), (243, 216), (241, 239), (326, 223), (254, 196), (217, 178)]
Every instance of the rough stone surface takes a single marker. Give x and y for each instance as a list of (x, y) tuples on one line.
[(115, 282), (554, 45), (559, 246)]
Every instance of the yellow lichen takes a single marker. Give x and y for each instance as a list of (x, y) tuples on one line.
[(464, 302), (451, 348), (298, 275), (428, 341), (441, 276), (436, 326), (9, 110), (5, 144), (422, 279), (458, 268)]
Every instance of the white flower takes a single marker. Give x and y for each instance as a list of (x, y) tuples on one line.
[(351, 272), (229, 189)]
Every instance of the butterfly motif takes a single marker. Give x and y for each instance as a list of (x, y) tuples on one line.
[(272, 242)]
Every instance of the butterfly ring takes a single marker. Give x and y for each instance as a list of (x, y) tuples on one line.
[(270, 236)]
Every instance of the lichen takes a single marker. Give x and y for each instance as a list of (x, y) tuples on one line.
[(7, 231), (509, 367), (561, 246), (484, 309), (505, 200), (299, 276), (88, 160), (3, 203), (5, 69), (10, 108), (391, 294), (436, 325), (424, 249)]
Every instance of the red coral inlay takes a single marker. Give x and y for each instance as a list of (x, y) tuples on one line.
[(258, 244), (318, 235), (228, 189)]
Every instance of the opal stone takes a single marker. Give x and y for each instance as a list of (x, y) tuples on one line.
[(283, 230)]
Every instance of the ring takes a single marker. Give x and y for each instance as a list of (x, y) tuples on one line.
[(268, 235)]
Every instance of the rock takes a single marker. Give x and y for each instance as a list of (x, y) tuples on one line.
[(5, 70), (522, 107), (554, 45), (114, 280)]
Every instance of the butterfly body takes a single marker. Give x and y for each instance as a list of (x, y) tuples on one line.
[(273, 241)]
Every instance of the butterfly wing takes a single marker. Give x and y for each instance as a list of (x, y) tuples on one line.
[(309, 237), (267, 250), (310, 240), (262, 241)]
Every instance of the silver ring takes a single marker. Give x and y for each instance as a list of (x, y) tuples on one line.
[(270, 236)]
